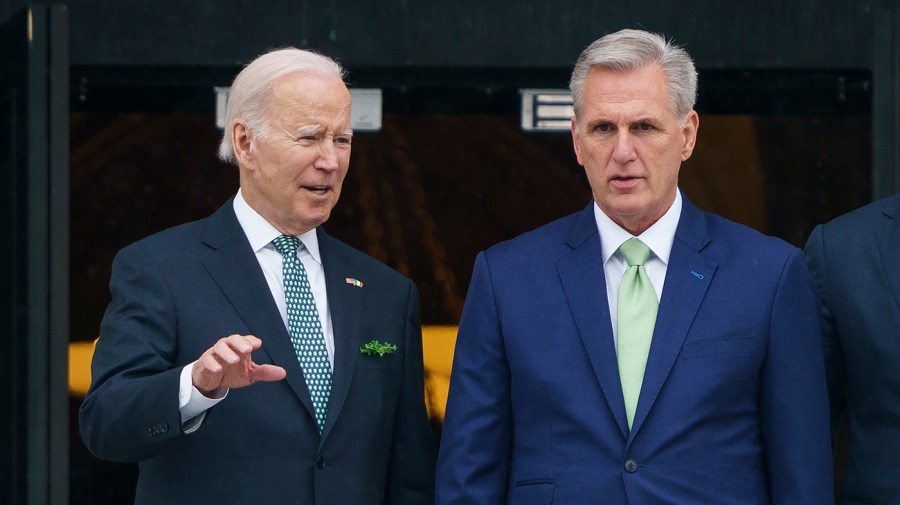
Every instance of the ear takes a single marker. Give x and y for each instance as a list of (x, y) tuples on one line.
[(691, 125), (575, 142), (242, 142)]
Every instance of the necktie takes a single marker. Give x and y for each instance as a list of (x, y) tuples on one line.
[(636, 320), (305, 327)]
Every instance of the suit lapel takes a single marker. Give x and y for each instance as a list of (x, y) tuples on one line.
[(688, 276), (232, 264), (345, 302), (582, 277), (887, 231)]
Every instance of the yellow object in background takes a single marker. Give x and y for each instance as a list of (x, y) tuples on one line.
[(80, 354), (438, 343)]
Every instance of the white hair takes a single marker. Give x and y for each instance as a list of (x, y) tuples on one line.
[(627, 50), (251, 89)]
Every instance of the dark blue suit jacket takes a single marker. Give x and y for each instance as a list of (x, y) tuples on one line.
[(176, 293), (855, 261), (733, 406)]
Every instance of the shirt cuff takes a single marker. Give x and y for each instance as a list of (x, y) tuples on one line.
[(191, 402)]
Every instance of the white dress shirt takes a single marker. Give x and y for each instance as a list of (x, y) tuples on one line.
[(658, 238), (260, 233)]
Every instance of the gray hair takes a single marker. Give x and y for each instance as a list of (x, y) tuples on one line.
[(627, 50), (249, 95)]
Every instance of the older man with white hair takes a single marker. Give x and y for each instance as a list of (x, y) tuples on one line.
[(249, 357)]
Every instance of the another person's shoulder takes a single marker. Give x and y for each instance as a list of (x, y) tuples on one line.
[(863, 217)]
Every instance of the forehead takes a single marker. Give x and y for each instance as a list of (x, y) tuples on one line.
[(309, 94), (643, 88)]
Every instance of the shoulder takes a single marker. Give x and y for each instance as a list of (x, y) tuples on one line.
[(545, 241), (862, 219), (334, 250), (735, 244), (171, 243), (188, 240)]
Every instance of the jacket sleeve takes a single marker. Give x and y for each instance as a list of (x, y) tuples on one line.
[(834, 355), (410, 479), (131, 409), (473, 461), (793, 394)]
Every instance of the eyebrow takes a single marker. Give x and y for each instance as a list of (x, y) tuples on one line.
[(307, 130), (316, 130)]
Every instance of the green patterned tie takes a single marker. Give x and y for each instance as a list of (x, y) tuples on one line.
[(636, 319), (305, 327)]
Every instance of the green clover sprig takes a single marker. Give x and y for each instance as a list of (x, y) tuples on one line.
[(380, 348)]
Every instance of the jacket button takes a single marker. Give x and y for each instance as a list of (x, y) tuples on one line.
[(320, 462), (631, 466)]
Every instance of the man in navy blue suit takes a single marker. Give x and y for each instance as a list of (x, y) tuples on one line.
[(855, 262), (237, 361), (640, 351)]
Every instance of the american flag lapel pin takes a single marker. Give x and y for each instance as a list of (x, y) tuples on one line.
[(355, 282)]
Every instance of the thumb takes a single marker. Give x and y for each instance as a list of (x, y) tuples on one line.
[(268, 373)]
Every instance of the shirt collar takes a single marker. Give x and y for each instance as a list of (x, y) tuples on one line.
[(659, 237), (261, 233)]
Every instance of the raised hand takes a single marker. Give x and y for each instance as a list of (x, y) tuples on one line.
[(228, 364)]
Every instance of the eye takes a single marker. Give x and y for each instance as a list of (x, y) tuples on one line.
[(343, 140), (604, 127), (645, 127)]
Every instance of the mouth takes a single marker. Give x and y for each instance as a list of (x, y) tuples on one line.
[(624, 181), (318, 190)]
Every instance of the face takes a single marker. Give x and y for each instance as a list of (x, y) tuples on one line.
[(292, 176), (631, 144)]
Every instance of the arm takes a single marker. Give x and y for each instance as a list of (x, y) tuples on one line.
[(793, 395), (834, 355), (410, 479), (473, 463), (132, 410)]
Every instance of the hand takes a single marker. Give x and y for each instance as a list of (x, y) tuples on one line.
[(228, 364)]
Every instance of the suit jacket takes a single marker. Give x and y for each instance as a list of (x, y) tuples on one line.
[(855, 261), (174, 295), (733, 405)]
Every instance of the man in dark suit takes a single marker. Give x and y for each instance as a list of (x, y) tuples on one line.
[(237, 361), (855, 262), (640, 351)]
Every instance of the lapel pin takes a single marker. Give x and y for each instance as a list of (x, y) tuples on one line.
[(356, 282), (695, 274)]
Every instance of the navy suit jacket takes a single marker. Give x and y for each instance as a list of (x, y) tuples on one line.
[(174, 295), (855, 261), (733, 406)]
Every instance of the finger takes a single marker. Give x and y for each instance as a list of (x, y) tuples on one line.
[(228, 351), (268, 373), (209, 363), (253, 340)]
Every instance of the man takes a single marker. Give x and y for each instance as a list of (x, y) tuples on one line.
[(238, 364), (699, 382), (855, 262)]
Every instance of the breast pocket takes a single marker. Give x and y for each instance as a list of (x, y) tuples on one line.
[(538, 492), (719, 346)]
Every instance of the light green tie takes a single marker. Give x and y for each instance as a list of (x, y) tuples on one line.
[(636, 318)]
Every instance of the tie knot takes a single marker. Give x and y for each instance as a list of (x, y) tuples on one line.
[(287, 245), (635, 252)]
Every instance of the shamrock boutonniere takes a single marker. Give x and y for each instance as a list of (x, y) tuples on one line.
[(375, 347)]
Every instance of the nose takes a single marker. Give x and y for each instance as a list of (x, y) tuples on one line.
[(624, 149), (328, 157)]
